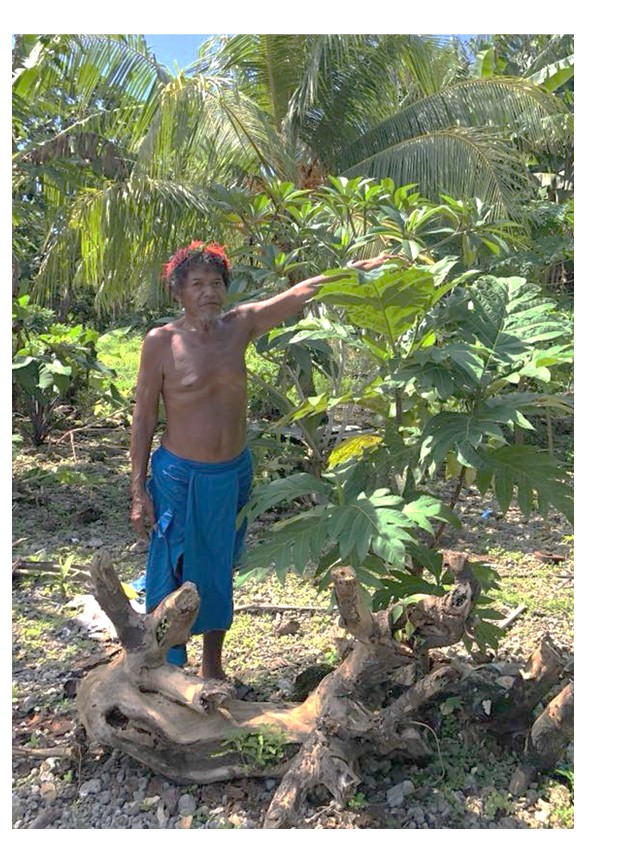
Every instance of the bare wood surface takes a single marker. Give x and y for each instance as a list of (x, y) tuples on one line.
[(552, 730), (542, 671)]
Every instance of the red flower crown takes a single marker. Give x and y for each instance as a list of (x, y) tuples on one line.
[(196, 247)]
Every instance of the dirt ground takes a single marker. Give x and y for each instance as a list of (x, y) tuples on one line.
[(70, 497)]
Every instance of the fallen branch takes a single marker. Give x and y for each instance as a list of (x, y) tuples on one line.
[(193, 730), (91, 428), (44, 752), (259, 608), (509, 620), (52, 568), (566, 582)]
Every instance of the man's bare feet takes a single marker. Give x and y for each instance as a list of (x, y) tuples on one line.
[(215, 692)]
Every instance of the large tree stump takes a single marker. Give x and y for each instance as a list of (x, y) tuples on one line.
[(194, 731)]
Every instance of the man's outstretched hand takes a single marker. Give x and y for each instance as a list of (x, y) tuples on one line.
[(371, 263)]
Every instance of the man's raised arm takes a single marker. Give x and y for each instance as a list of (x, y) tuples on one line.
[(266, 314)]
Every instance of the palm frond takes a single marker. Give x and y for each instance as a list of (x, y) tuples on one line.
[(510, 103), (86, 67), (557, 48), (117, 237), (268, 66), (463, 163)]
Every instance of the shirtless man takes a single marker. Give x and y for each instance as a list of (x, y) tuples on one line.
[(201, 473)]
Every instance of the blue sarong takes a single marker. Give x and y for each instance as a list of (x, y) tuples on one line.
[(196, 506)]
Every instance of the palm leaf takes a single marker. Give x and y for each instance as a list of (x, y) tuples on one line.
[(506, 105), (465, 162)]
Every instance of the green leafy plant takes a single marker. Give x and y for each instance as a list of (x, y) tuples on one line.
[(357, 802), (498, 801), (260, 748), (449, 358), (54, 366), (568, 775), (61, 579)]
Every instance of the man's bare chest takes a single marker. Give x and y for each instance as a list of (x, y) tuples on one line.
[(197, 364)]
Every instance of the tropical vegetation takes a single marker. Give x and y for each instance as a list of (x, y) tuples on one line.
[(301, 153)]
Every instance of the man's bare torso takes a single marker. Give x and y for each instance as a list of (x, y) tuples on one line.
[(204, 389)]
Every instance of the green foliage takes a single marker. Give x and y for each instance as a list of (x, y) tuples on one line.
[(370, 531), (62, 579), (457, 365), (496, 801), (119, 349), (567, 774), (357, 802), (54, 365), (112, 152), (261, 748)]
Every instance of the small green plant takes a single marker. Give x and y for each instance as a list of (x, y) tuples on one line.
[(358, 801), (567, 774), (332, 656), (54, 364), (61, 579), (261, 748), (497, 801)]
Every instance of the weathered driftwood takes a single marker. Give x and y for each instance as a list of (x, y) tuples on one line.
[(548, 737), (193, 730)]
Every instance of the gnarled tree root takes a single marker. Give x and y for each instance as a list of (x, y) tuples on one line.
[(194, 731)]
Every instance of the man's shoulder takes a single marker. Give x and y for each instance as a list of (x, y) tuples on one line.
[(237, 313), (158, 339), (242, 315), (162, 333)]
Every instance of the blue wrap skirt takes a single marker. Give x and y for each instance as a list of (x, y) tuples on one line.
[(196, 506)]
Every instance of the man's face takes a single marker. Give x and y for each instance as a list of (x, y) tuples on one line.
[(203, 292)]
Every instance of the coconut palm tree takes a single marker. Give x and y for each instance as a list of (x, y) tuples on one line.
[(397, 106), (126, 158), (121, 156)]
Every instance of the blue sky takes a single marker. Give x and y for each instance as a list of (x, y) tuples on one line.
[(179, 49), (171, 50)]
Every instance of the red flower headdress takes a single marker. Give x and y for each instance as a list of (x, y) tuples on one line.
[(196, 247)]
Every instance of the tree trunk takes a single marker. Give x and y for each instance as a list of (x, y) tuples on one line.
[(194, 731)]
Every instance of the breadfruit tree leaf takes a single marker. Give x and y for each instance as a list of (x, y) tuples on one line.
[(283, 489), (535, 476), (385, 301)]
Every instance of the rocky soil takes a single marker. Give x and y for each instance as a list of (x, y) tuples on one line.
[(71, 498)]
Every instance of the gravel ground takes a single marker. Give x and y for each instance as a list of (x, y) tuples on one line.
[(464, 785)]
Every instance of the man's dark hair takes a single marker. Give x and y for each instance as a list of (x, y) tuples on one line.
[(197, 254)]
